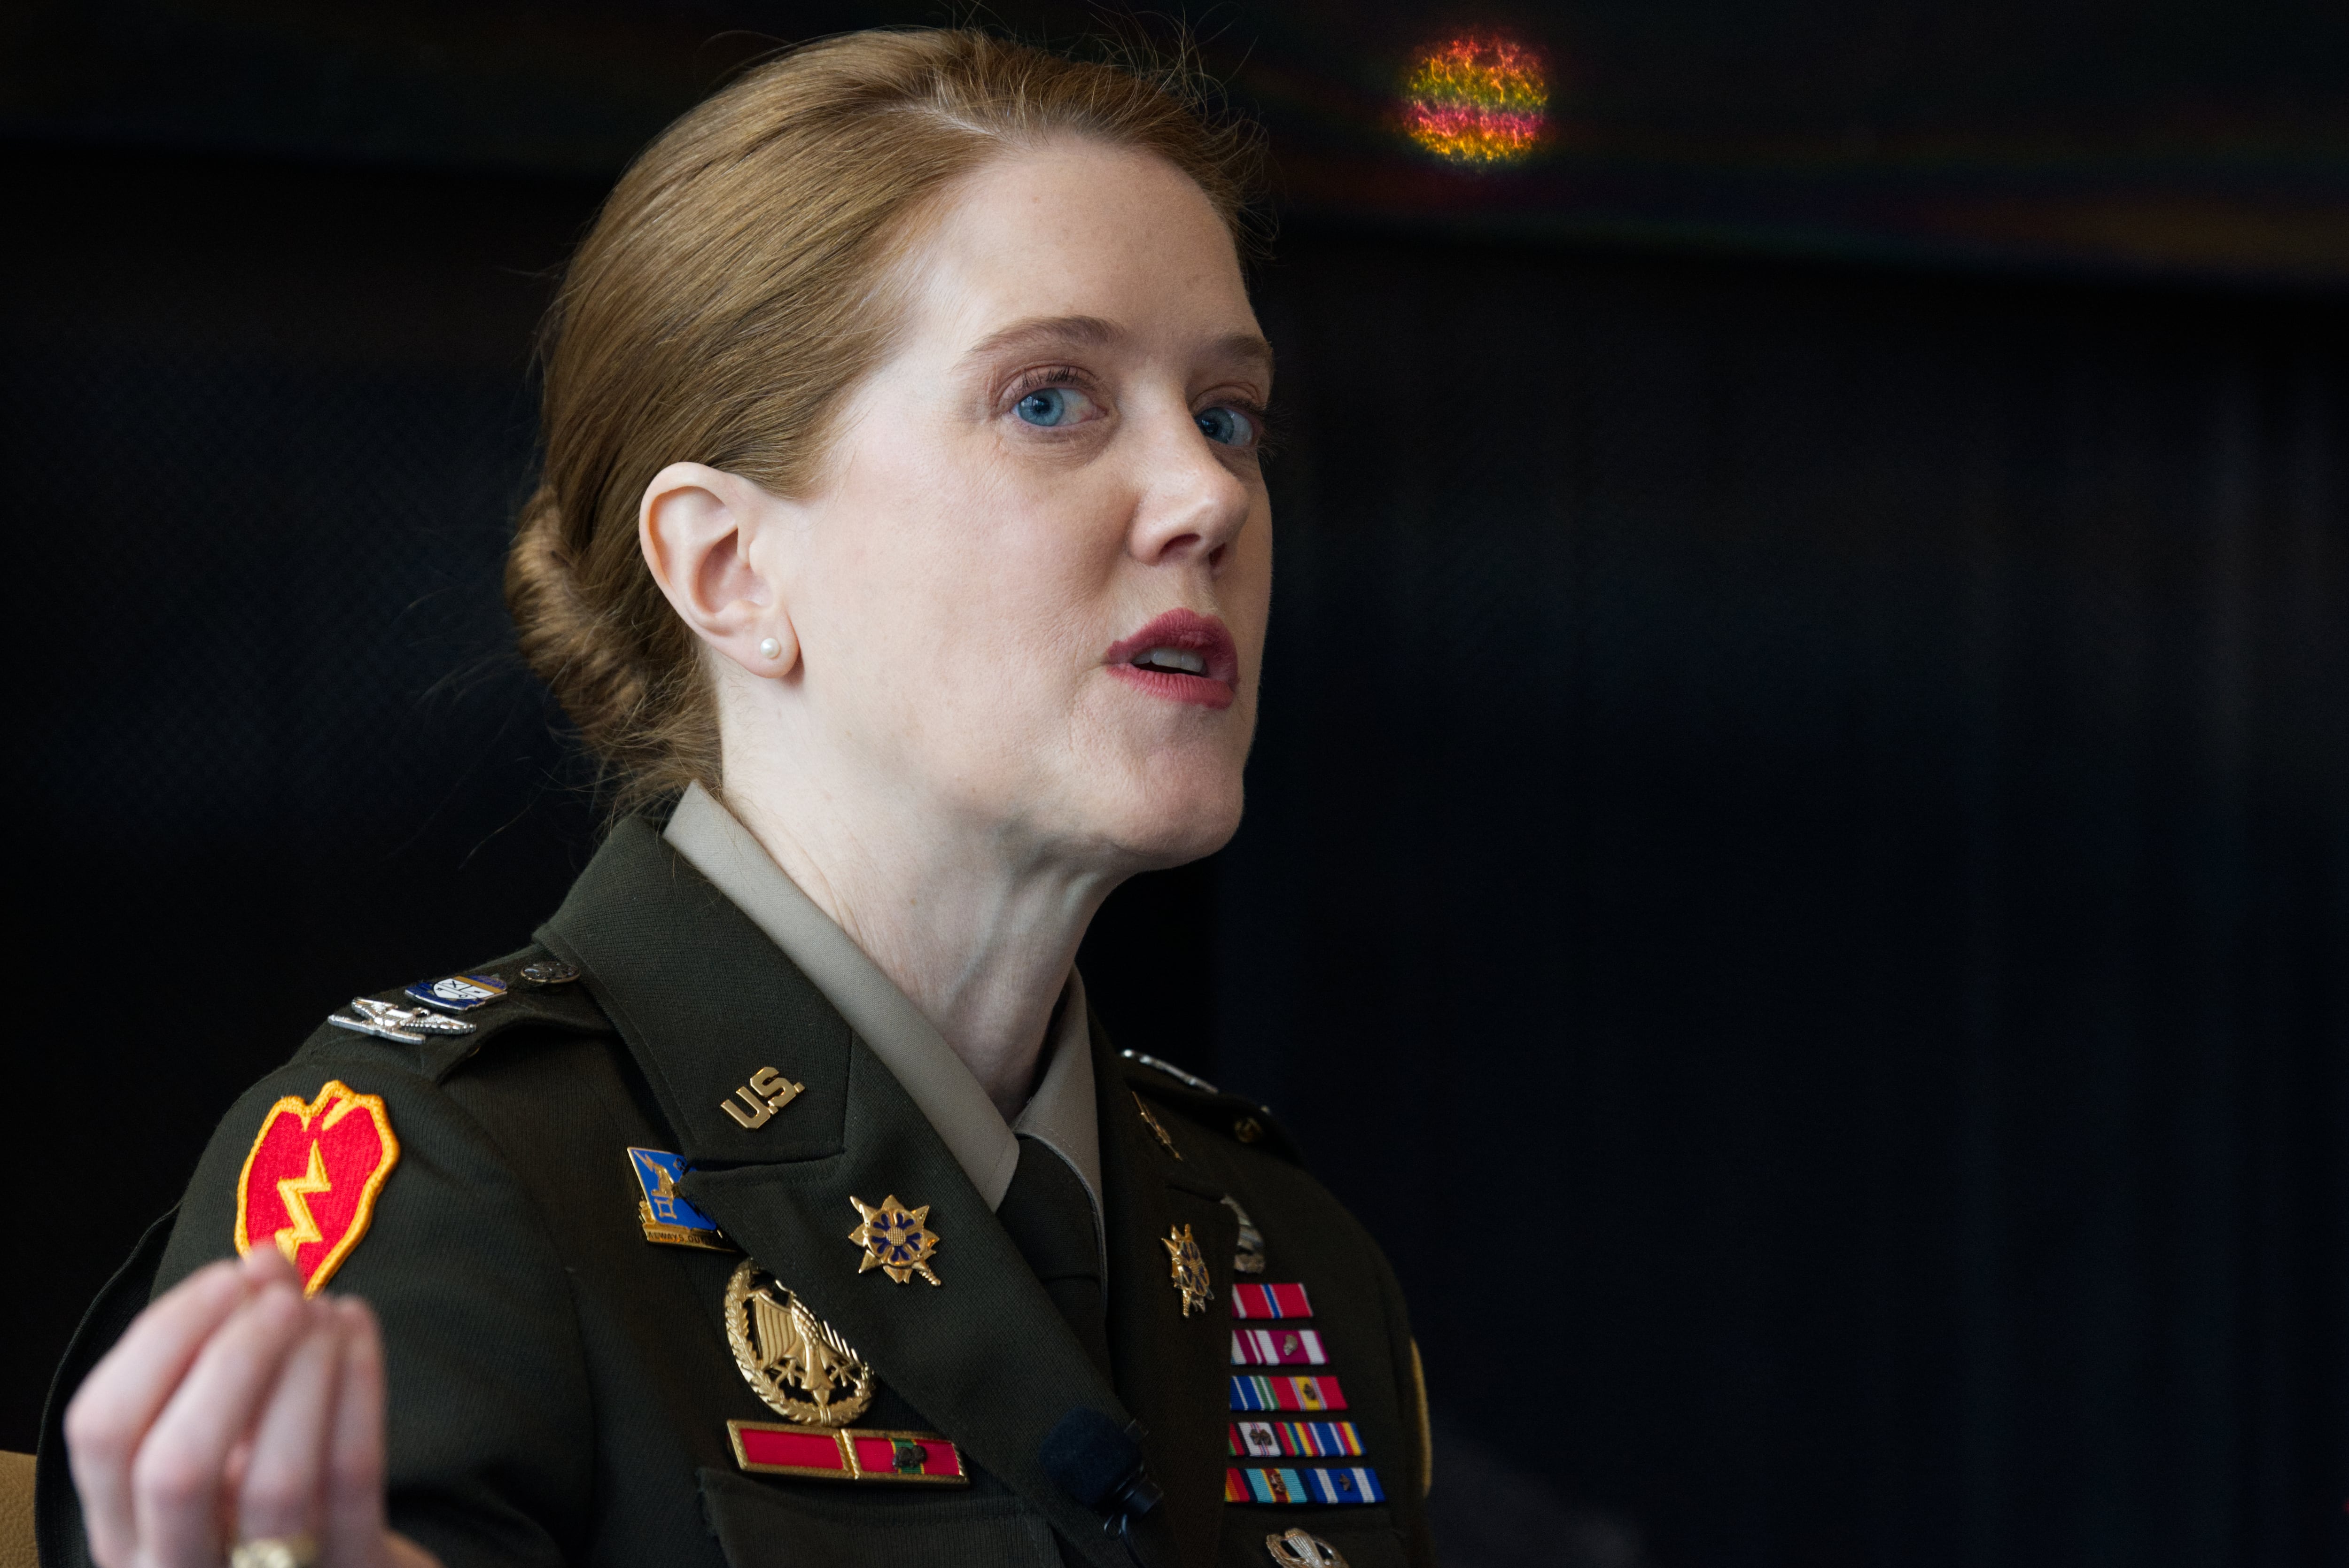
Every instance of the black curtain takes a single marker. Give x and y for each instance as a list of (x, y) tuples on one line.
[(1798, 871)]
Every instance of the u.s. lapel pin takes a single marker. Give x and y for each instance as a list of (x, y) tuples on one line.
[(897, 1239), (767, 1092), (1189, 1269)]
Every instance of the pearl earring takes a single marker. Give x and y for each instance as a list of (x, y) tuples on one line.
[(771, 649)]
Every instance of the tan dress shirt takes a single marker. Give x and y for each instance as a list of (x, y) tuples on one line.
[(1060, 1115)]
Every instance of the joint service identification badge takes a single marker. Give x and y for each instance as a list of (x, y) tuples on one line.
[(310, 1181), (1188, 1268)]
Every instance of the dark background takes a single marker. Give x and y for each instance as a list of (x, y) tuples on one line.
[(1797, 873)]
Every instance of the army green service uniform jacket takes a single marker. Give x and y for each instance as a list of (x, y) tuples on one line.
[(561, 1388)]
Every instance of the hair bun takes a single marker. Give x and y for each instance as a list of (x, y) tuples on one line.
[(562, 639)]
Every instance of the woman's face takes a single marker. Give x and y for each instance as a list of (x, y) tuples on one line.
[(1031, 593)]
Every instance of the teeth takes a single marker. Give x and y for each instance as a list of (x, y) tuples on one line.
[(1181, 659)]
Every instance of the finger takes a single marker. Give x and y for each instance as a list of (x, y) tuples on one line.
[(280, 1490), (127, 1389), (267, 1265), (401, 1552), (178, 1497), (353, 1522), (233, 1474)]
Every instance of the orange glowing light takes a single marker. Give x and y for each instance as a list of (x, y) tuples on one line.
[(1476, 100)]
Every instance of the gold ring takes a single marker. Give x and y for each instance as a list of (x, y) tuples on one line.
[(276, 1552)]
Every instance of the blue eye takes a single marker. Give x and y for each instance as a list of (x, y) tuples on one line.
[(1227, 426), (1047, 407)]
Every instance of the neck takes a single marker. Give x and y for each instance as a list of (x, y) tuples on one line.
[(976, 928)]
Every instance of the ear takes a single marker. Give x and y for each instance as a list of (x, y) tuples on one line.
[(713, 541)]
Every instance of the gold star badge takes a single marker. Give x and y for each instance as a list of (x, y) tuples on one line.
[(1190, 1270), (895, 1238)]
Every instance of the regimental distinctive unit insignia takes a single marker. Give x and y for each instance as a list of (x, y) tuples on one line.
[(792, 1360), (311, 1178), (1157, 1128), (848, 1453), (408, 1025), (668, 1219), (459, 993), (550, 971), (767, 1092), (1188, 1269), (1296, 1549), (1248, 1259), (897, 1239)]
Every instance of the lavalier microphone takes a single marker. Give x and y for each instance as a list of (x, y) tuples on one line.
[(1099, 1464)]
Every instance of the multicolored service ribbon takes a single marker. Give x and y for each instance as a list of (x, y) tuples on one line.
[(1303, 1486)]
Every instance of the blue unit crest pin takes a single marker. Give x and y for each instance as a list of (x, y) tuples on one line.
[(668, 1219), (459, 993)]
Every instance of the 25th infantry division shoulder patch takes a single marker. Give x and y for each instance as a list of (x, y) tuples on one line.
[(310, 1181)]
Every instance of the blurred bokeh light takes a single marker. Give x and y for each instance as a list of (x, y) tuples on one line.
[(1476, 100)]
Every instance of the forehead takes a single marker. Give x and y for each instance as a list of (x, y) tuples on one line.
[(1075, 228)]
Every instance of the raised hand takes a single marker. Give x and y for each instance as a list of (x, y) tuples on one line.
[(234, 1411)]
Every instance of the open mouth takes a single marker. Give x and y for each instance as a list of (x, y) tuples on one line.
[(1174, 661), (1181, 656)]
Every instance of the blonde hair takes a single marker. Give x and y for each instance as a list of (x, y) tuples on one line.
[(733, 290)]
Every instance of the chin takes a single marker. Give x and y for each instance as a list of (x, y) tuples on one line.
[(1170, 821)]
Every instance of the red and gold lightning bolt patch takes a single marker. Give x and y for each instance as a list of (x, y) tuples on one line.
[(309, 1184)]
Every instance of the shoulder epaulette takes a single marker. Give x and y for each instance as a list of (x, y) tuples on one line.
[(1244, 1120), (447, 1019)]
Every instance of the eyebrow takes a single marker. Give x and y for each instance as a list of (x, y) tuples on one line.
[(1079, 330), (1092, 332)]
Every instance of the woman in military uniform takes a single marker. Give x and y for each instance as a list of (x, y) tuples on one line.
[(903, 549)]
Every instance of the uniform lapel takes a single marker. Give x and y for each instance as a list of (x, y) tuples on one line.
[(703, 999), (984, 1354), (1175, 1371)]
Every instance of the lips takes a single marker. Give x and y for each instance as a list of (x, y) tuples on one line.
[(1181, 655)]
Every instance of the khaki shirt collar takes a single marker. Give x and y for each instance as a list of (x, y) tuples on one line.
[(1061, 1116)]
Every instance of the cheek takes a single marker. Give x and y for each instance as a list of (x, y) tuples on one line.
[(1247, 583), (968, 595)]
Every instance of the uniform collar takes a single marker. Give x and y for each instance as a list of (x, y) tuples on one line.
[(1061, 1115)]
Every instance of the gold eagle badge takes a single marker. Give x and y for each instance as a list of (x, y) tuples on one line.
[(794, 1361)]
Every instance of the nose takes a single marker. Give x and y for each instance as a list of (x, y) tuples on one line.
[(1192, 504)]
